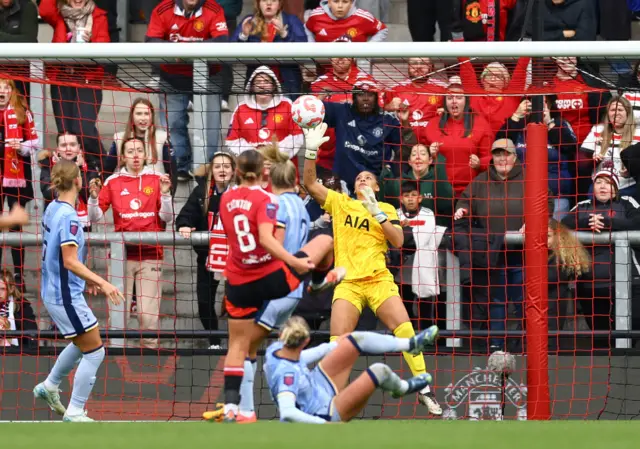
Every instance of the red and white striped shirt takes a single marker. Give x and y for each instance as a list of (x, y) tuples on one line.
[(593, 143)]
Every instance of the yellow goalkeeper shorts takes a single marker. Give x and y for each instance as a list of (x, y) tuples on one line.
[(370, 292)]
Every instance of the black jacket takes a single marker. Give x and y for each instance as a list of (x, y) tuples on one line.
[(621, 214), (193, 215), (46, 164), (19, 23), (576, 15)]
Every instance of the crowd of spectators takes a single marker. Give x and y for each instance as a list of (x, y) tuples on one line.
[(448, 145)]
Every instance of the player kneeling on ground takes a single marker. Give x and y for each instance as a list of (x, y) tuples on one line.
[(324, 393)]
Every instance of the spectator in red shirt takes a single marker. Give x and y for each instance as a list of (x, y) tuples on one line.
[(142, 124), (336, 18), (336, 86), (422, 93), (18, 141), (188, 21), (463, 137), (264, 117), (269, 23), (495, 107), (141, 202), (76, 105)]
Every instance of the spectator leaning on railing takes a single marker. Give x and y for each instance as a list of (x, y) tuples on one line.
[(141, 202), (76, 108), (490, 206), (269, 23), (188, 22), (68, 147), (201, 213), (607, 211), (18, 141)]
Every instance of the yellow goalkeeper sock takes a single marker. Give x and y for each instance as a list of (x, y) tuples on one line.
[(415, 362), (333, 338)]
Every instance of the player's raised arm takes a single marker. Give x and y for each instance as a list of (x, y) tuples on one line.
[(17, 217), (314, 138)]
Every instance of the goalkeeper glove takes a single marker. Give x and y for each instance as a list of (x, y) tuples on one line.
[(371, 204), (313, 139)]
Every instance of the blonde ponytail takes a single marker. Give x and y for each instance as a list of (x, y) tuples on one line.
[(294, 332)]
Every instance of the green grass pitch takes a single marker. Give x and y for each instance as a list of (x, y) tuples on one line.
[(385, 434)]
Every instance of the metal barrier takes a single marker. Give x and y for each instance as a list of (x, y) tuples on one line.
[(116, 242)]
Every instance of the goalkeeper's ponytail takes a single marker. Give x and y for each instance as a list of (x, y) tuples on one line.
[(295, 332)]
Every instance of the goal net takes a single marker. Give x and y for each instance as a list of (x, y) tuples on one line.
[(513, 168)]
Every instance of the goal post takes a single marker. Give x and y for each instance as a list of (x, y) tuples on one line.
[(461, 390)]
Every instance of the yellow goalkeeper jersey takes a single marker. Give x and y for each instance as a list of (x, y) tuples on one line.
[(359, 242)]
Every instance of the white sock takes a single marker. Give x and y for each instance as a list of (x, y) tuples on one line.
[(374, 343), (84, 380), (64, 364), (386, 379), (246, 405)]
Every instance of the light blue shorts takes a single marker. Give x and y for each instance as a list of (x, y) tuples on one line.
[(276, 312), (326, 389), (72, 319)]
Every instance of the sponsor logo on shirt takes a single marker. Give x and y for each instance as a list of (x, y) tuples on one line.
[(249, 121), (352, 123), (135, 204), (322, 32), (264, 133)]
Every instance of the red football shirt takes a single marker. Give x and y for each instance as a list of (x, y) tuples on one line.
[(242, 210), (359, 26), (422, 99)]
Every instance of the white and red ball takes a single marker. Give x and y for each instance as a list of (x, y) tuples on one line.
[(307, 111)]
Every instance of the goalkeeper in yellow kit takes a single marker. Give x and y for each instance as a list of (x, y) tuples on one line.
[(361, 229)]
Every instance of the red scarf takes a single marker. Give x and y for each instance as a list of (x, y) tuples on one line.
[(13, 169), (218, 246)]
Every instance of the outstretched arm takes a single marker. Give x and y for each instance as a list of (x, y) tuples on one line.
[(17, 217), (314, 138), (290, 413)]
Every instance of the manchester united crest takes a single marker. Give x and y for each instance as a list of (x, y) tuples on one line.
[(198, 25), (148, 190), (473, 13), (278, 118), (352, 32)]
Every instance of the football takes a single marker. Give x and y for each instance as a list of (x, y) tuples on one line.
[(307, 111)]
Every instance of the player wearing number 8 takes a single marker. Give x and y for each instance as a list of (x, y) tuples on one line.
[(259, 269)]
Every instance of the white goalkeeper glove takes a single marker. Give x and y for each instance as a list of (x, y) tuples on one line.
[(371, 204), (313, 139)]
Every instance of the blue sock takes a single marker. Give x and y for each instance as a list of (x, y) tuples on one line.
[(64, 364), (374, 343), (246, 387), (84, 380)]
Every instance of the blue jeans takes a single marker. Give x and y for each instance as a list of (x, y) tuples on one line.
[(561, 207), (507, 286), (175, 105)]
